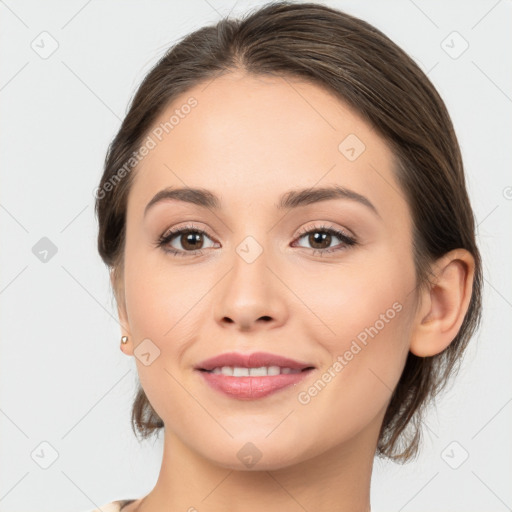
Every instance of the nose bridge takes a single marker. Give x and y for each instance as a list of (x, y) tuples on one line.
[(250, 291), (249, 278)]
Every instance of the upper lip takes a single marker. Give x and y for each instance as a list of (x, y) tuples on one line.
[(253, 360)]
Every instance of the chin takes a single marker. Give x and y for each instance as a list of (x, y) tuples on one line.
[(257, 455)]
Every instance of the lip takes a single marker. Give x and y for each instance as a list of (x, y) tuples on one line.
[(252, 388), (253, 360)]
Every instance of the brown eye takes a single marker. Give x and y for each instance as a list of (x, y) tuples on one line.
[(321, 238), (183, 241), (191, 240)]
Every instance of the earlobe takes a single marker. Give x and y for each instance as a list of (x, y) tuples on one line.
[(444, 304), (126, 335), (126, 338)]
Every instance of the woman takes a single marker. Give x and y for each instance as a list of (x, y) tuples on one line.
[(292, 250)]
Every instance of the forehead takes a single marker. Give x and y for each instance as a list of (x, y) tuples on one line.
[(250, 138)]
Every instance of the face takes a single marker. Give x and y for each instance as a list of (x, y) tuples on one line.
[(324, 279)]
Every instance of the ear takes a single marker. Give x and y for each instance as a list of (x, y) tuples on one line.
[(117, 285), (444, 304)]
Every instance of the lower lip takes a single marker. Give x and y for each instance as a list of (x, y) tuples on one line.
[(251, 388)]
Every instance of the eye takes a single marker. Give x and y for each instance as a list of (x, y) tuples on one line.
[(190, 240), (321, 237)]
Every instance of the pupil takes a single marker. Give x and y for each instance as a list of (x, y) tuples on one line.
[(319, 238), (190, 238)]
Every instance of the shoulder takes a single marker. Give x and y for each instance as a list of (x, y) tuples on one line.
[(116, 506)]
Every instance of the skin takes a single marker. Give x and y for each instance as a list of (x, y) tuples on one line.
[(249, 140)]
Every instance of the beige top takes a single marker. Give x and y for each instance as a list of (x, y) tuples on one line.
[(119, 506)]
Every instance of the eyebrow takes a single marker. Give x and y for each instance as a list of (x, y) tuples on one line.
[(290, 200)]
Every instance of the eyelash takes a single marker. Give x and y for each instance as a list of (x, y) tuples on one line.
[(346, 240)]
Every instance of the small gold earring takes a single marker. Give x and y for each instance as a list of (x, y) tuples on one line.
[(124, 339)]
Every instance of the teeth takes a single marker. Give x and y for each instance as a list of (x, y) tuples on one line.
[(238, 372), (257, 372), (262, 371), (273, 370)]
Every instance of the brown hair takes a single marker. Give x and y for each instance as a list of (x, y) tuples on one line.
[(358, 63)]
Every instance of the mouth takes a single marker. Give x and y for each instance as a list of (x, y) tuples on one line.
[(261, 371), (252, 376)]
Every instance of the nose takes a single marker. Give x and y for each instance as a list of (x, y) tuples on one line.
[(250, 297)]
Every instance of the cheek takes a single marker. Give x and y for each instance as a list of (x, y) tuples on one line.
[(356, 301), (164, 306), (159, 296), (160, 307), (368, 315), (364, 365), (370, 342)]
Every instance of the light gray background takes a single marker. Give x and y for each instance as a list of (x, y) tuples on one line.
[(64, 380)]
